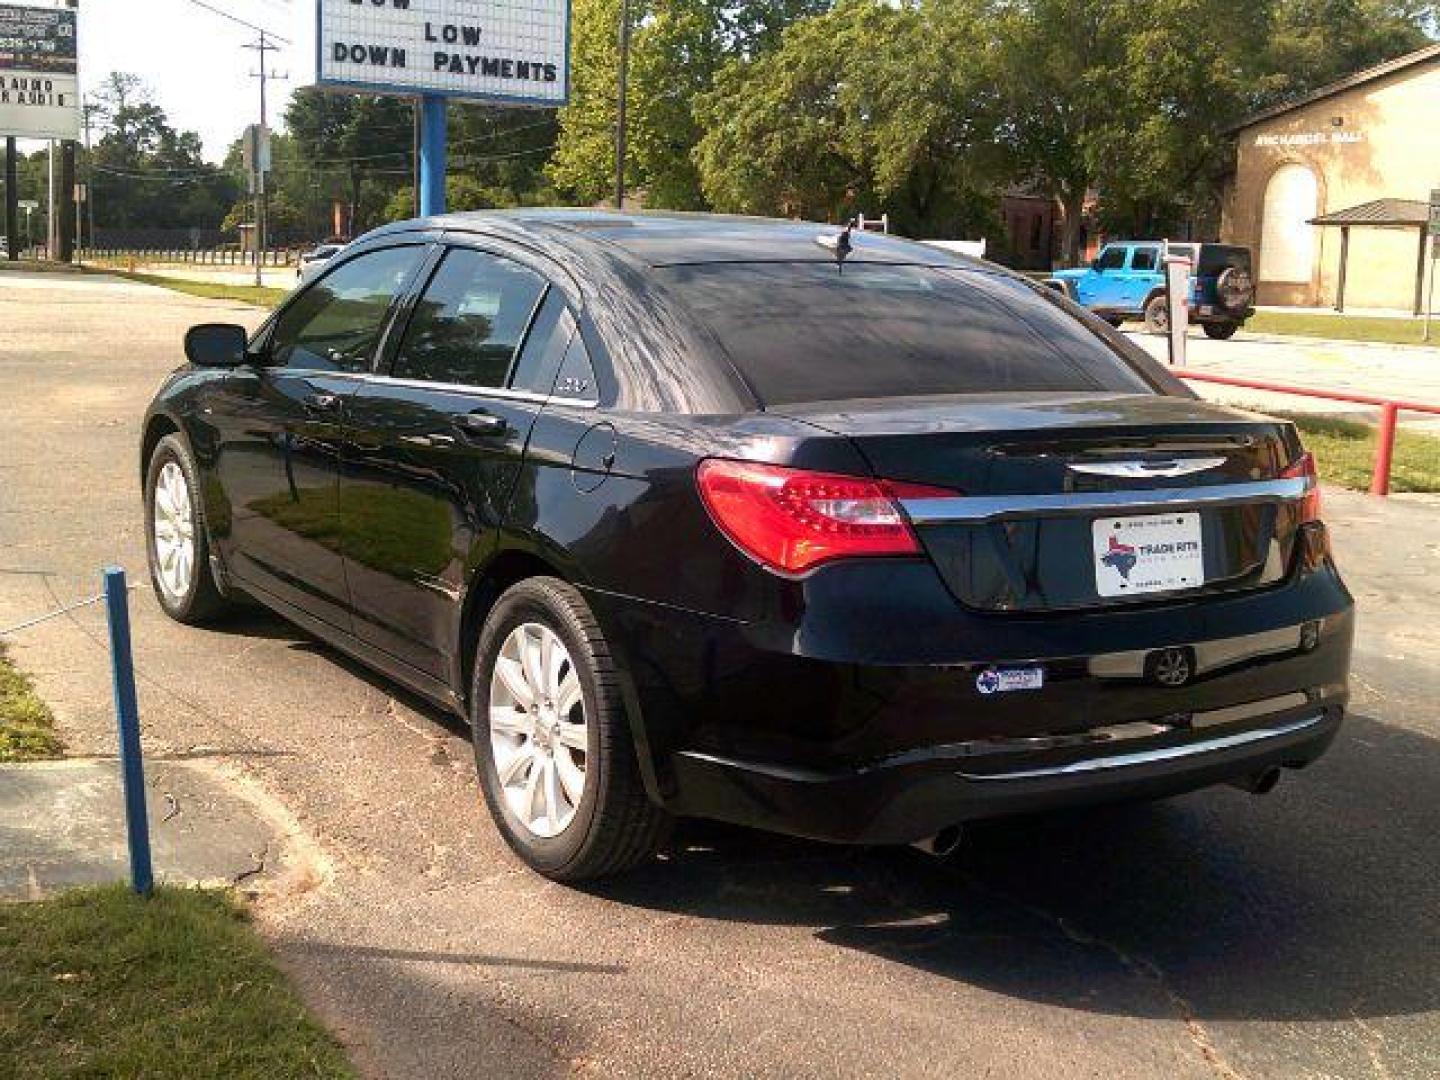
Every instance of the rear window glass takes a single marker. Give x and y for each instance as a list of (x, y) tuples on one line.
[(1215, 259), (804, 332)]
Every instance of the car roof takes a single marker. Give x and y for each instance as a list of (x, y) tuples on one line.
[(676, 239)]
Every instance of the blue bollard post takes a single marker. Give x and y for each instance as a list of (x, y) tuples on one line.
[(433, 137), (127, 714)]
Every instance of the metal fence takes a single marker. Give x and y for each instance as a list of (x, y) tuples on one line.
[(188, 256)]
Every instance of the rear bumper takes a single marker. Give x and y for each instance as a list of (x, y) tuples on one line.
[(867, 710), (918, 795), (1214, 313)]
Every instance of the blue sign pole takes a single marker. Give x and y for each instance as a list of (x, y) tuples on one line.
[(127, 713), (432, 155)]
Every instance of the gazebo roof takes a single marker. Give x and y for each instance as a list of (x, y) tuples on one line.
[(1392, 213)]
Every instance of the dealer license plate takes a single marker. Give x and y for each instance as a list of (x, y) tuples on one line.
[(1156, 553)]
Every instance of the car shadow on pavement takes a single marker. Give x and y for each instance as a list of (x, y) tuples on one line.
[(1318, 901)]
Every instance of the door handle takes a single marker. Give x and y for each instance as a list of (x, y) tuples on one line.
[(322, 402), (480, 424)]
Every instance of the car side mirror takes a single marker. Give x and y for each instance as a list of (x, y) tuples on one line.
[(216, 345)]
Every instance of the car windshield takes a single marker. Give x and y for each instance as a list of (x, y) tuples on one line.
[(808, 332)]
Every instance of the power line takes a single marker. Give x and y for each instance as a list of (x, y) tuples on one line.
[(242, 22)]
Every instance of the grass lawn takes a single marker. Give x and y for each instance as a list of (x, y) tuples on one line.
[(27, 730), (263, 296), (102, 983), (1341, 327), (1345, 452)]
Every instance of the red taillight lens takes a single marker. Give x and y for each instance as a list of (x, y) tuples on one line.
[(792, 519), (1303, 468)]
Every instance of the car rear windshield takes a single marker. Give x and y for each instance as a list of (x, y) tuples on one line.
[(810, 332)]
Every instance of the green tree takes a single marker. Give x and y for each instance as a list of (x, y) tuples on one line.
[(146, 174), (678, 48), (862, 108)]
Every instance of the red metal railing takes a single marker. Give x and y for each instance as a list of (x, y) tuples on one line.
[(1390, 409)]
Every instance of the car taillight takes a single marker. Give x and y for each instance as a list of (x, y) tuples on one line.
[(791, 520), (1303, 468)]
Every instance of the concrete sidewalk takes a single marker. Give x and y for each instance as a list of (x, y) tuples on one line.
[(62, 824), (1410, 372)]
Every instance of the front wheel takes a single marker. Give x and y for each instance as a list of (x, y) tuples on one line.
[(175, 536), (1157, 315), (553, 748), (1221, 331)]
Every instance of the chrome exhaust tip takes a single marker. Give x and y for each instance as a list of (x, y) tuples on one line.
[(943, 843), (1261, 783)]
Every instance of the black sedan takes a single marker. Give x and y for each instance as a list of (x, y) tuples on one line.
[(846, 537)]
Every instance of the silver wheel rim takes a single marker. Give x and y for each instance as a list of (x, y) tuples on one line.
[(537, 729), (174, 530)]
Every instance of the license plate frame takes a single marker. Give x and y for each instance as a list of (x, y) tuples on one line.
[(1144, 554)]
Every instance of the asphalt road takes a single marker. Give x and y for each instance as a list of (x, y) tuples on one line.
[(1218, 934)]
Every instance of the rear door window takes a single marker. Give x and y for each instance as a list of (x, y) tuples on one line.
[(472, 318), (806, 332), (1144, 258), (576, 381)]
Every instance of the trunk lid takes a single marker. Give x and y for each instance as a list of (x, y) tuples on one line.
[(1043, 478)]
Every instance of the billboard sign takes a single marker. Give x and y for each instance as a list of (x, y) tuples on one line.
[(504, 51), (39, 82)]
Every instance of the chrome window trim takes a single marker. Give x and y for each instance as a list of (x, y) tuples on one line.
[(1150, 757), (482, 391), (964, 509), (449, 388)]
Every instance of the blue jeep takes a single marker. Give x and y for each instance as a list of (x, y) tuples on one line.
[(1127, 281)]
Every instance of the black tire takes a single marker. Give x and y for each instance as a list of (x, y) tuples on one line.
[(202, 602), (1221, 331), (1157, 314), (615, 825)]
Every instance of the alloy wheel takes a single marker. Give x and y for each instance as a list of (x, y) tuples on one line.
[(173, 523), (538, 734)]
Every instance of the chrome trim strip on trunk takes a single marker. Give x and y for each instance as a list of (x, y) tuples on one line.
[(1150, 757), (1144, 469), (966, 509)]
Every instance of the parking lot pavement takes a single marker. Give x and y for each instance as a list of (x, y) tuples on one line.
[(1411, 372), (1217, 934)]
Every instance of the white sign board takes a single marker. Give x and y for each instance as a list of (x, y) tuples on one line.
[(506, 51), (39, 87)]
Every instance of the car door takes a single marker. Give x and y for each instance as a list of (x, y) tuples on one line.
[(438, 443), (1101, 288), (1141, 274), (280, 426)]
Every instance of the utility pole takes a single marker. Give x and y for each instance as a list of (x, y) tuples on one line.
[(51, 223), (263, 46), (87, 108), (12, 202), (620, 105), (262, 141), (68, 205)]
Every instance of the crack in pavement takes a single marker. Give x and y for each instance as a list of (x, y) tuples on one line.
[(1141, 968)]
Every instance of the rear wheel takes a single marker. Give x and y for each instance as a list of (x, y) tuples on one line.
[(176, 540), (1157, 315), (553, 748), (1221, 331)]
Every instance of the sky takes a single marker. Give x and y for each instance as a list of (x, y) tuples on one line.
[(192, 60)]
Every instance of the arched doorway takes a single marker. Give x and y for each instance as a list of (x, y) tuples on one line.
[(1287, 239)]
